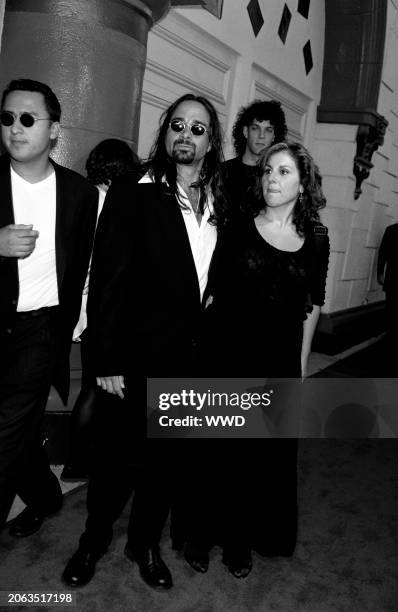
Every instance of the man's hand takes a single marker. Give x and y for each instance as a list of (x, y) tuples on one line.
[(17, 240), (112, 384)]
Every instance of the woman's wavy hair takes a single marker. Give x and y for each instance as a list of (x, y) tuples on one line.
[(312, 199), (109, 159), (159, 164), (259, 110)]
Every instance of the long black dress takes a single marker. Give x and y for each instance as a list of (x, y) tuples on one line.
[(261, 296), (254, 325)]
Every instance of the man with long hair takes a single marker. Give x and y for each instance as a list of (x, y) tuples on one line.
[(152, 253)]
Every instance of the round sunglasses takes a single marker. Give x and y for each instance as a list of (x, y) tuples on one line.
[(7, 118), (197, 129)]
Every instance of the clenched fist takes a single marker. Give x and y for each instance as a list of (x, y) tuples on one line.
[(17, 240)]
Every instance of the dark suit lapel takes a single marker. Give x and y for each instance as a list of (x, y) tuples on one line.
[(6, 207), (7, 217), (175, 227), (62, 213)]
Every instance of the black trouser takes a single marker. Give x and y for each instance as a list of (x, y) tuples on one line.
[(124, 461), (27, 362)]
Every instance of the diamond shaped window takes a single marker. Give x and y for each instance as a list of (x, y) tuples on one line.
[(307, 53), (256, 16), (304, 8), (284, 24)]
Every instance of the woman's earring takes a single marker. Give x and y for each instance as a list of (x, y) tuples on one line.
[(300, 197)]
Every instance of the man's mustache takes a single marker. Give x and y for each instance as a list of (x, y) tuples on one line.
[(184, 141)]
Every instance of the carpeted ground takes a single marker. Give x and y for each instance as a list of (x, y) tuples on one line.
[(346, 558)]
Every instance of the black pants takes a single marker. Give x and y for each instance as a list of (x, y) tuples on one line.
[(26, 368), (125, 461)]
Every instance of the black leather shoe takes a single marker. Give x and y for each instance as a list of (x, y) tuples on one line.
[(239, 562), (80, 568), (197, 558), (28, 522), (153, 569)]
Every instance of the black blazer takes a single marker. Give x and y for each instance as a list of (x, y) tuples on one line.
[(76, 211), (144, 299), (388, 256)]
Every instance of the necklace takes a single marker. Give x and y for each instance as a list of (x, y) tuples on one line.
[(193, 192), (194, 198)]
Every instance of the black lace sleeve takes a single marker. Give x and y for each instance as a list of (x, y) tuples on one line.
[(322, 252)]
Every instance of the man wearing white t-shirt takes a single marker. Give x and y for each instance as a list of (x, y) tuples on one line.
[(47, 221)]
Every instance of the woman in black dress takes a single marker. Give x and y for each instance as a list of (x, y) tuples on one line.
[(266, 289)]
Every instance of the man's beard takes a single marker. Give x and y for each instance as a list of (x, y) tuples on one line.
[(183, 156)]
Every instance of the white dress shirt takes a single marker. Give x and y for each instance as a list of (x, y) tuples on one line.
[(82, 322), (202, 238)]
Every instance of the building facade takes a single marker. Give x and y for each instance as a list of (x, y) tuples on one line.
[(331, 63)]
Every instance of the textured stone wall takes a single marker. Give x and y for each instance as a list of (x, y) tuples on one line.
[(356, 226)]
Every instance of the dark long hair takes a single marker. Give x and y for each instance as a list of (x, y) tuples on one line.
[(159, 164), (109, 159), (259, 110), (307, 207)]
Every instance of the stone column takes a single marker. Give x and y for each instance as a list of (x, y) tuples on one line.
[(2, 9), (92, 53)]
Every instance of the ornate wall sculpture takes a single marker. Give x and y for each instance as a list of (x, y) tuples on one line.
[(369, 138)]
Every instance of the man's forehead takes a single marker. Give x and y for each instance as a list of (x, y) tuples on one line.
[(261, 122), (20, 97), (192, 110)]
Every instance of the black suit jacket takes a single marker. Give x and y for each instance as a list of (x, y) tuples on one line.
[(388, 259), (144, 304), (76, 211)]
